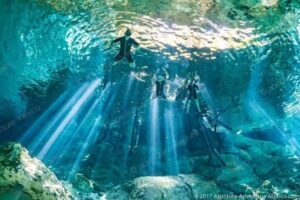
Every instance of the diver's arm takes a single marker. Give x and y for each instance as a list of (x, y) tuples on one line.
[(136, 44), (115, 41), (112, 43), (166, 73)]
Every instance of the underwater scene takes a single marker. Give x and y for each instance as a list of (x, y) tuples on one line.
[(149, 99)]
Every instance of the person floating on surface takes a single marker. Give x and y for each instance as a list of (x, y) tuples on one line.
[(126, 43), (193, 89)]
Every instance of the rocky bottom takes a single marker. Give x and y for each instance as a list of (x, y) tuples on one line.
[(254, 170)]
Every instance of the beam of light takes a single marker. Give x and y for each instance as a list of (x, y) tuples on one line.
[(257, 107), (87, 118), (130, 82), (69, 117), (128, 135), (91, 122), (104, 151), (133, 90), (207, 97), (67, 141), (91, 137), (42, 119), (47, 127), (171, 146), (181, 140), (106, 108), (261, 112), (293, 125), (106, 114), (154, 138)]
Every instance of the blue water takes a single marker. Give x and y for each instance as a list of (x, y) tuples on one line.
[(60, 92)]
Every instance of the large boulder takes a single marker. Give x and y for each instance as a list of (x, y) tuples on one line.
[(181, 187), (27, 177)]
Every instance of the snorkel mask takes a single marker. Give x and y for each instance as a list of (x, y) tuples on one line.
[(128, 32)]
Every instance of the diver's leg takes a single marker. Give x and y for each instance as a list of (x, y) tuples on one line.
[(188, 105), (197, 105), (118, 58), (131, 61), (158, 92)]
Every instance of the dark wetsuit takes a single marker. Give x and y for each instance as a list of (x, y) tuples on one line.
[(193, 91), (160, 88), (125, 48)]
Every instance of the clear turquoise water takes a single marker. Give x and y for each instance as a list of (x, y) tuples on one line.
[(52, 63)]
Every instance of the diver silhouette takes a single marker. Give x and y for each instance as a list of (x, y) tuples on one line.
[(126, 43), (193, 89), (160, 80)]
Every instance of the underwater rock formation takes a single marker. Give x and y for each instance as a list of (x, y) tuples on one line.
[(29, 176), (255, 168), (247, 49), (152, 188)]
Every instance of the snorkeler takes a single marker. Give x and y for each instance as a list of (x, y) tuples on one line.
[(192, 95), (126, 43), (160, 80)]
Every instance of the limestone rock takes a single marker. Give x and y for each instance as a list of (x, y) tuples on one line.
[(152, 188), (249, 3), (29, 175), (269, 148), (83, 184), (199, 186)]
